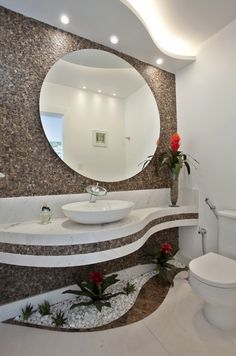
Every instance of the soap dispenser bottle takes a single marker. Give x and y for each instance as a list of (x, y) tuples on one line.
[(45, 215)]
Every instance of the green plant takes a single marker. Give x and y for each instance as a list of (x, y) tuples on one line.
[(94, 288), (146, 161), (27, 311), (161, 256), (44, 308), (129, 288), (175, 159), (59, 319)]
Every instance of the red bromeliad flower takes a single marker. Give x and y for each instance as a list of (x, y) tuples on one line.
[(166, 248), (96, 277), (174, 142)]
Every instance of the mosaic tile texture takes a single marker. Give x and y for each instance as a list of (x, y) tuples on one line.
[(29, 48), (19, 282)]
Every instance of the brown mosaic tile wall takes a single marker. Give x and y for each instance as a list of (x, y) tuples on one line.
[(28, 50), (20, 282)]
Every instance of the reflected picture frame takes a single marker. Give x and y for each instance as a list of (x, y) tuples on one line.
[(100, 138)]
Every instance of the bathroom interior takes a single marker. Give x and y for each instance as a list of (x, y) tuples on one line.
[(117, 124)]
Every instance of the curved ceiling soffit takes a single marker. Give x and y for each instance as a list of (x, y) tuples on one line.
[(167, 43)]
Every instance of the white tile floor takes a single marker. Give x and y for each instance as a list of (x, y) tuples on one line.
[(177, 328)]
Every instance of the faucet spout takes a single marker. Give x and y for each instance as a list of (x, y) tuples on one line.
[(95, 191)]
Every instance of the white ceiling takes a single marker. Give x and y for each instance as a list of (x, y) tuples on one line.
[(123, 82), (179, 27), (96, 58), (146, 28)]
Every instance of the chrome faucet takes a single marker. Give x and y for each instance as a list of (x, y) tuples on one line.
[(95, 191)]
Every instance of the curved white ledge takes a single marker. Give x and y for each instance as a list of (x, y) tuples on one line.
[(62, 231), (147, 14), (134, 223)]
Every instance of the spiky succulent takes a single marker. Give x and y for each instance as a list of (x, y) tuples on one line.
[(129, 288), (59, 319), (44, 308), (27, 311)]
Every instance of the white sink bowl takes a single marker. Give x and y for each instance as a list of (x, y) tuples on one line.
[(100, 212)]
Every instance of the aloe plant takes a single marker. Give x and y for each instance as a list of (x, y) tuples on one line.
[(59, 319), (44, 308), (129, 288), (94, 288), (27, 311)]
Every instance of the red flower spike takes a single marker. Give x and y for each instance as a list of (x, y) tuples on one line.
[(96, 277), (174, 142), (166, 248)]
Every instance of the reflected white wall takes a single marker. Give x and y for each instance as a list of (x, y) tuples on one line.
[(85, 111), (142, 125)]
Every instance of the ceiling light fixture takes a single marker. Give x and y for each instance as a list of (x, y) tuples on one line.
[(114, 94), (159, 61), (99, 90), (114, 39), (65, 19), (84, 87)]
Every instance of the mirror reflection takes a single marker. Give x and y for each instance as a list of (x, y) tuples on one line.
[(99, 115)]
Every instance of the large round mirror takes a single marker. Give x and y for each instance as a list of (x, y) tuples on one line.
[(99, 115)]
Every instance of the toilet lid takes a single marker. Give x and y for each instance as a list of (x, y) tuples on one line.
[(215, 270)]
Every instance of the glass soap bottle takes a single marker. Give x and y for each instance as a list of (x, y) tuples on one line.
[(45, 215)]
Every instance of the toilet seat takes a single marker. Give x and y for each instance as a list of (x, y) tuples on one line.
[(215, 270)]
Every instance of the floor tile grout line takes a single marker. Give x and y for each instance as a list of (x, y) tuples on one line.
[(156, 337)]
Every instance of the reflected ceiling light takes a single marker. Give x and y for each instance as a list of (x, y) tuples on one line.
[(84, 87), (99, 90), (114, 39), (114, 94), (159, 61), (65, 19)]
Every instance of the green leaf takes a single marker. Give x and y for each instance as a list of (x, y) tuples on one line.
[(99, 305), (78, 292), (108, 281), (81, 304), (187, 166), (146, 163)]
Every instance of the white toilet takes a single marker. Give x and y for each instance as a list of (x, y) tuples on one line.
[(213, 276)]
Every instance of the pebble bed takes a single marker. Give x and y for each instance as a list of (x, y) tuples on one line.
[(89, 316), (86, 317)]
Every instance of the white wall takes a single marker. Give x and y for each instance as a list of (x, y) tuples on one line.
[(206, 111), (84, 112), (141, 114)]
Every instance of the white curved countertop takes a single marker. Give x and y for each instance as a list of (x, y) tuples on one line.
[(63, 232)]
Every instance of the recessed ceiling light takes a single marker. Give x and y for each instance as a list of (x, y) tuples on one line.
[(84, 87), (159, 61), (99, 90), (114, 94), (114, 39), (65, 19)]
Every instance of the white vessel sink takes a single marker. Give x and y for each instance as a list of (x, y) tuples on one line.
[(100, 212)]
